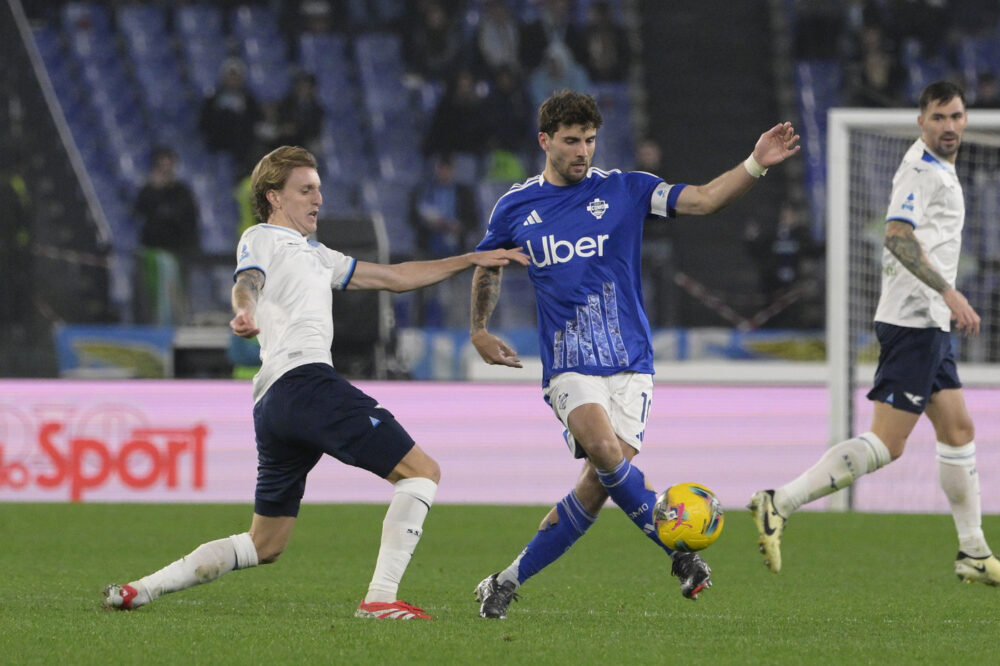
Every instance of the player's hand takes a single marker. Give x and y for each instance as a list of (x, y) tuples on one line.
[(965, 318), (244, 325), (494, 350), (776, 145), (499, 257)]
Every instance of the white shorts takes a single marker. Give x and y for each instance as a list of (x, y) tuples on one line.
[(626, 397)]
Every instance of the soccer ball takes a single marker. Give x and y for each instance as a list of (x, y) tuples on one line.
[(688, 517)]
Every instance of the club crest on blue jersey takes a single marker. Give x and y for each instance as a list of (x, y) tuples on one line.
[(597, 208)]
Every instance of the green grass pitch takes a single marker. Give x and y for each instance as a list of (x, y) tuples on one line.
[(856, 588)]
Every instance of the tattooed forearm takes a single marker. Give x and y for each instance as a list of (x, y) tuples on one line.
[(247, 287), (899, 240), (485, 292)]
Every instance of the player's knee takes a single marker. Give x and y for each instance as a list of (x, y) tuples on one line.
[(269, 554), (605, 453), (960, 433), (432, 471)]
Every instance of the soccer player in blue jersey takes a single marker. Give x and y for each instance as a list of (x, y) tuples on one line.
[(582, 228), (916, 370), (303, 408)]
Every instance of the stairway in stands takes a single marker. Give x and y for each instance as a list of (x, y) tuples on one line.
[(709, 98)]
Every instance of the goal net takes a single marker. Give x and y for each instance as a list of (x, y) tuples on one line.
[(864, 148)]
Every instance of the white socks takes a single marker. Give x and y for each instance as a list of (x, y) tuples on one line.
[(838, 468), (204, 564), (401, 530), (960, 482)]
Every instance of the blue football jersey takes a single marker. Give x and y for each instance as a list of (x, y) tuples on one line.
[(585, 242)]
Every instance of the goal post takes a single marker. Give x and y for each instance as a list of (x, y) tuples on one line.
[(864, 149)]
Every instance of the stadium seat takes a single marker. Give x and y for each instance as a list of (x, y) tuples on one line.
[(391, 200), (198, 21), (147, 20)]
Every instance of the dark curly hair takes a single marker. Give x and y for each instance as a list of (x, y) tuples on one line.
[(941, 92), (568, 107)]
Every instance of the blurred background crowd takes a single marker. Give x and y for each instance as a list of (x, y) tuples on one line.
[(129, 130)]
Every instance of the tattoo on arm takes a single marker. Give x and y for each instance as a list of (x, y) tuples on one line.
[(899, 240), (485, 292), (247, 288)]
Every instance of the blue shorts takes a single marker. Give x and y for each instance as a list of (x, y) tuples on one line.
[(309, 411), (913, 364)]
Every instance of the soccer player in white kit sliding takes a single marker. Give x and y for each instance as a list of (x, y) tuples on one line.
[(302, 407), (916, 367), (582, 228)]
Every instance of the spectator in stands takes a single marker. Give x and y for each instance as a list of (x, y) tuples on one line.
[(457, 122), (443, 212), (432, 40), (649, 157), (498, 38), (300, 115), (228, 116), (169, 239), (316, 16), (780, 253), (506, 107), (444, 217), (16, 259), (558, 70), (876, 77), (605, 49), (554, 25), (987, 91), (267, 129)]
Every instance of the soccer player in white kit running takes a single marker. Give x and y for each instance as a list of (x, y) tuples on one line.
[(582, 228), (302, 407), (916, 367)]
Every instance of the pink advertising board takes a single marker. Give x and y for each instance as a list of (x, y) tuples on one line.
[(192, 441)]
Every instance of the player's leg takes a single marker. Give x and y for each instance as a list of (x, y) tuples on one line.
[(204, 564), (956, 456), (909, 360), (839, 466), (561, 527), (414, 480), (281, 476), (843, 463)]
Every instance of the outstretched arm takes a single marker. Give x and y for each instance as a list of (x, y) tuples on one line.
[(903, 244), (244, 297), (773, 147), (411, 275), (485, 292)]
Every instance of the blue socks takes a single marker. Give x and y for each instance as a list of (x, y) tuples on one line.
[(554, 540), (627, 487)]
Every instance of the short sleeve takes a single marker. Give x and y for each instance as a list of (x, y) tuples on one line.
[(342, 266), (255, 250), (497, 231), (911, 191)]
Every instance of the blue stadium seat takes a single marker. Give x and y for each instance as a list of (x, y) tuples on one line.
[(86, 16), (203, 57), (381, 70), (147, 20), (391, 200), (253, 20), (198, 21)]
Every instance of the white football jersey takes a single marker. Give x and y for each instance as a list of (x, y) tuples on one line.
[(294, 312), (926, 193)]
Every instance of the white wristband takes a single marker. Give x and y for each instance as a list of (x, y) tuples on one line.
[(753, 167)]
